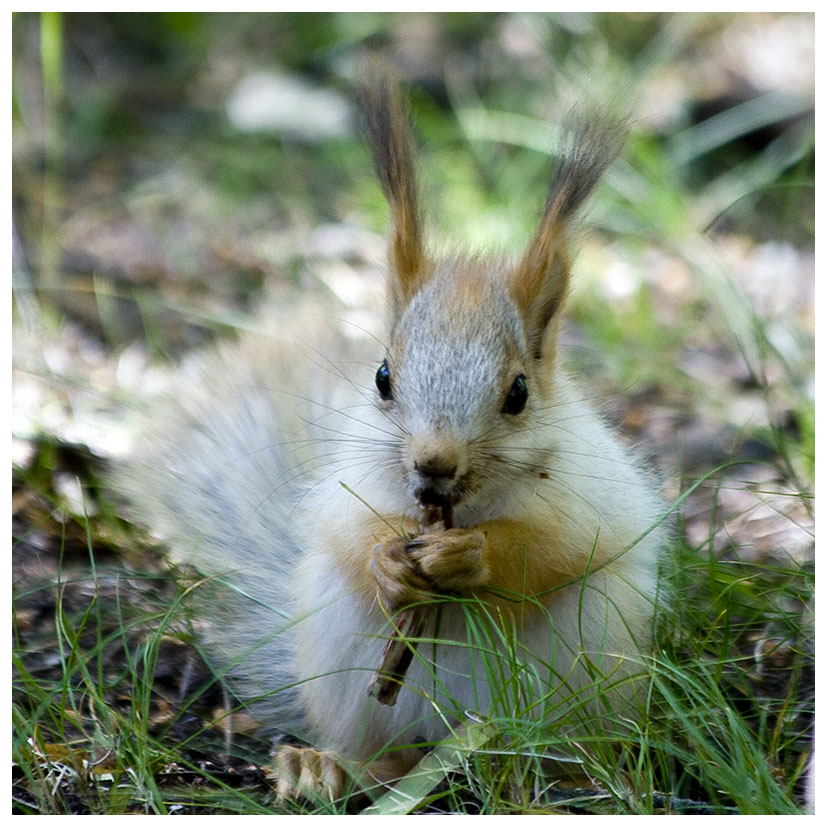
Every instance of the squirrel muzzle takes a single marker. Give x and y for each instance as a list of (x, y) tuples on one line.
[(438, 471)]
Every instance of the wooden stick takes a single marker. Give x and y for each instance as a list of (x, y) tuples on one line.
[(399, 652), (386, 682)]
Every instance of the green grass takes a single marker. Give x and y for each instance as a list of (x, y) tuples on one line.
[(95, 739), (710, 737)]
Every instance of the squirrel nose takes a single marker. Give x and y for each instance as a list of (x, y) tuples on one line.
[(437, 466)]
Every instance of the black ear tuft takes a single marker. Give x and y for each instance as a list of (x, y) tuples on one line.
[(540, 282), (591, 145), (385, 123)]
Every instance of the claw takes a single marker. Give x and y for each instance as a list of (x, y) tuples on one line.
[(306, 774)]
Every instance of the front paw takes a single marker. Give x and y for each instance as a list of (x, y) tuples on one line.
[(406, 570), (400, 581), (453, 560)]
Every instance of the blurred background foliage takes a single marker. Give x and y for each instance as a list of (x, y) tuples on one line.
[(175, 171), (171, 169)]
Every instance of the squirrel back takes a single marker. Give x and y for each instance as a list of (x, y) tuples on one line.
[(457, 461)]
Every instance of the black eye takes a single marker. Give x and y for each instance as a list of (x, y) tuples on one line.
[(384, 381), (517, 396)]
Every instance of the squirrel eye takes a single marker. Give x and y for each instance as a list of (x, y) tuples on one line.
[(384, 381), (517, 396)]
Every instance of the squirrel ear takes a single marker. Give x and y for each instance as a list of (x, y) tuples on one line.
[(385, 123), (539, 283)]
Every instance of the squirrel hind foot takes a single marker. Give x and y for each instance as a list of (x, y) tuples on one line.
[(304, 774)]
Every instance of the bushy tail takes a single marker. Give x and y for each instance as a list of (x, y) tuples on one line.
[(216, 476)]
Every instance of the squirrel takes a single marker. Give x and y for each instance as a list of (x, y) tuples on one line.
[(453, 473)]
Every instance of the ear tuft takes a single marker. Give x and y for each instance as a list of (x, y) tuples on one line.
[(384, 120), (540, 282)]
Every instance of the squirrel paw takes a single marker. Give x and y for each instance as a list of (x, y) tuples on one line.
[(299, 773), (399, 579), (453, 559), (447, 561)]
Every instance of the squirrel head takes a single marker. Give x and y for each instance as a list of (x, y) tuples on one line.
[(459, 377), (471, 351)]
